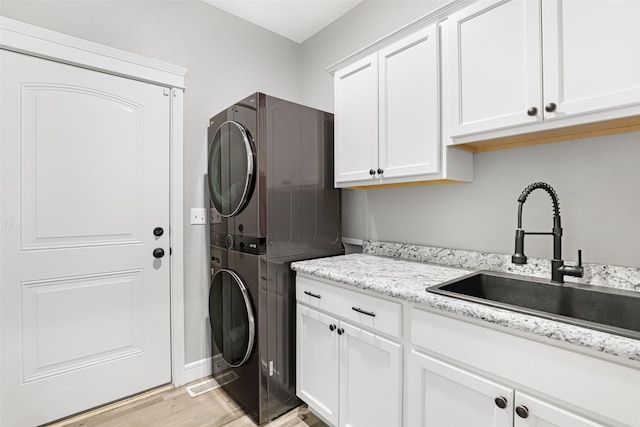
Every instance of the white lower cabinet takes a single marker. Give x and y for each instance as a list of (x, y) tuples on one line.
[(533, 412), (346, 371), (441, 394), (370, 379), (318, 361), (369, 361)]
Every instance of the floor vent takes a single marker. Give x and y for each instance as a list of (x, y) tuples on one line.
[(211, 384)]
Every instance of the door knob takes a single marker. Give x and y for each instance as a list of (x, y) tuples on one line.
[(332, 327), (158, 253), (372, 172), (532, 111), (158, 231), (380, 171), (550, 108)]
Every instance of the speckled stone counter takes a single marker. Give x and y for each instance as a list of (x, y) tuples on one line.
[(380, 269)]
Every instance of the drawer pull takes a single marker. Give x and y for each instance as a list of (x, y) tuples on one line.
[(312, 294), (359, 310)]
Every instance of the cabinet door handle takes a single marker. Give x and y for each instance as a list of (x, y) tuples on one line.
[(372, 172), (380, 171), (501, 402), (550, 108), (532, 111), (522, 411), (359, 310), (332, 327), (312, 294), (340, 331)]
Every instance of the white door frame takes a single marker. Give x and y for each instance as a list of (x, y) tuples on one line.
[(28, 39)]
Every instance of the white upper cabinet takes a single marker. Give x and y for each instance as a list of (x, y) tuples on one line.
[(409, 140), (525, 66), (387, 117), (496, 71), (356, 120), (591, 55)]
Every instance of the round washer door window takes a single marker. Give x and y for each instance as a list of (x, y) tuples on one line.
[(231, 317), (231, 168)]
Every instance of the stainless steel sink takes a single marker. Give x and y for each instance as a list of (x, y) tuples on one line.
[(605, 309)]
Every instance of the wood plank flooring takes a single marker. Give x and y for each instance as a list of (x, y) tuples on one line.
[(168, 407)]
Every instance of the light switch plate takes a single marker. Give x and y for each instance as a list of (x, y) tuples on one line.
[(198, 216)]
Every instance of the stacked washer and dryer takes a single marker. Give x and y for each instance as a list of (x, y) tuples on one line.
[(270, 178)]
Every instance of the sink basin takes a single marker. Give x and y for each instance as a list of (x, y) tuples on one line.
[(605, 309)]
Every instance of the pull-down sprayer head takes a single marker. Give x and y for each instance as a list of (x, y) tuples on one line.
[(519, 257)]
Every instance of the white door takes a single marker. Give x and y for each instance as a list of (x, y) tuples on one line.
[(444, 395), (496, 65), (370, 379), (532, 412), (409, 103), (317, 364), (356, 122), (84, 182), (591, 56)]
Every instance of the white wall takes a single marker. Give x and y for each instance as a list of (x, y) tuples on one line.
[(227, 59), (597, 180)]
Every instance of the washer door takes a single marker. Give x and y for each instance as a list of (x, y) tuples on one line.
[(231, 317), (231, 168)]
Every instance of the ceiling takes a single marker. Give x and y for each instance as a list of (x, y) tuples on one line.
[(296, 20)]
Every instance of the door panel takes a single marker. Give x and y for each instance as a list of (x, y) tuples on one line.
[(409, 103), (440, 394), (356, 121), (58, 209), (543, 414), (362, 403), (495, 65), (84, 181), (111, 326), (586, 67), (318, 346)]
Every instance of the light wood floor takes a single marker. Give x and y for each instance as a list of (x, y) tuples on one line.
[(175, 407)]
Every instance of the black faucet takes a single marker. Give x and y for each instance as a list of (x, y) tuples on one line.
[(558, 269)]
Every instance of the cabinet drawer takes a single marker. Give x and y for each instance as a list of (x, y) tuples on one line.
[(369, 311)]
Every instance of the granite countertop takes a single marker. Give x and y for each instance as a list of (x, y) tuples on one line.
[(408, 279)]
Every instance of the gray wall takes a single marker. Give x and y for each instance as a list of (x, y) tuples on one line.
[(597, 179), (227, 59)]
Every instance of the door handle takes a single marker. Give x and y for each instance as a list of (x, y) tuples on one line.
[(158, 231), (158, 253)]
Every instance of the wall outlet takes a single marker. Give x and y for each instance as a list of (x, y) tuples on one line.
[(198, 215)]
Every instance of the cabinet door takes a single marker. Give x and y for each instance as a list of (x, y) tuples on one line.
[(495, 64), (317, 370), (356, 121), (440, 394), (591, 55), (409, 102), (538, 413), (370, 379)]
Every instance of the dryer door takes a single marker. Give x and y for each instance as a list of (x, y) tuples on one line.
[(231, 168), (231, 317)]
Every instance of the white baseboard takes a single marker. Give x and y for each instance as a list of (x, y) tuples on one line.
[(200, 368)]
